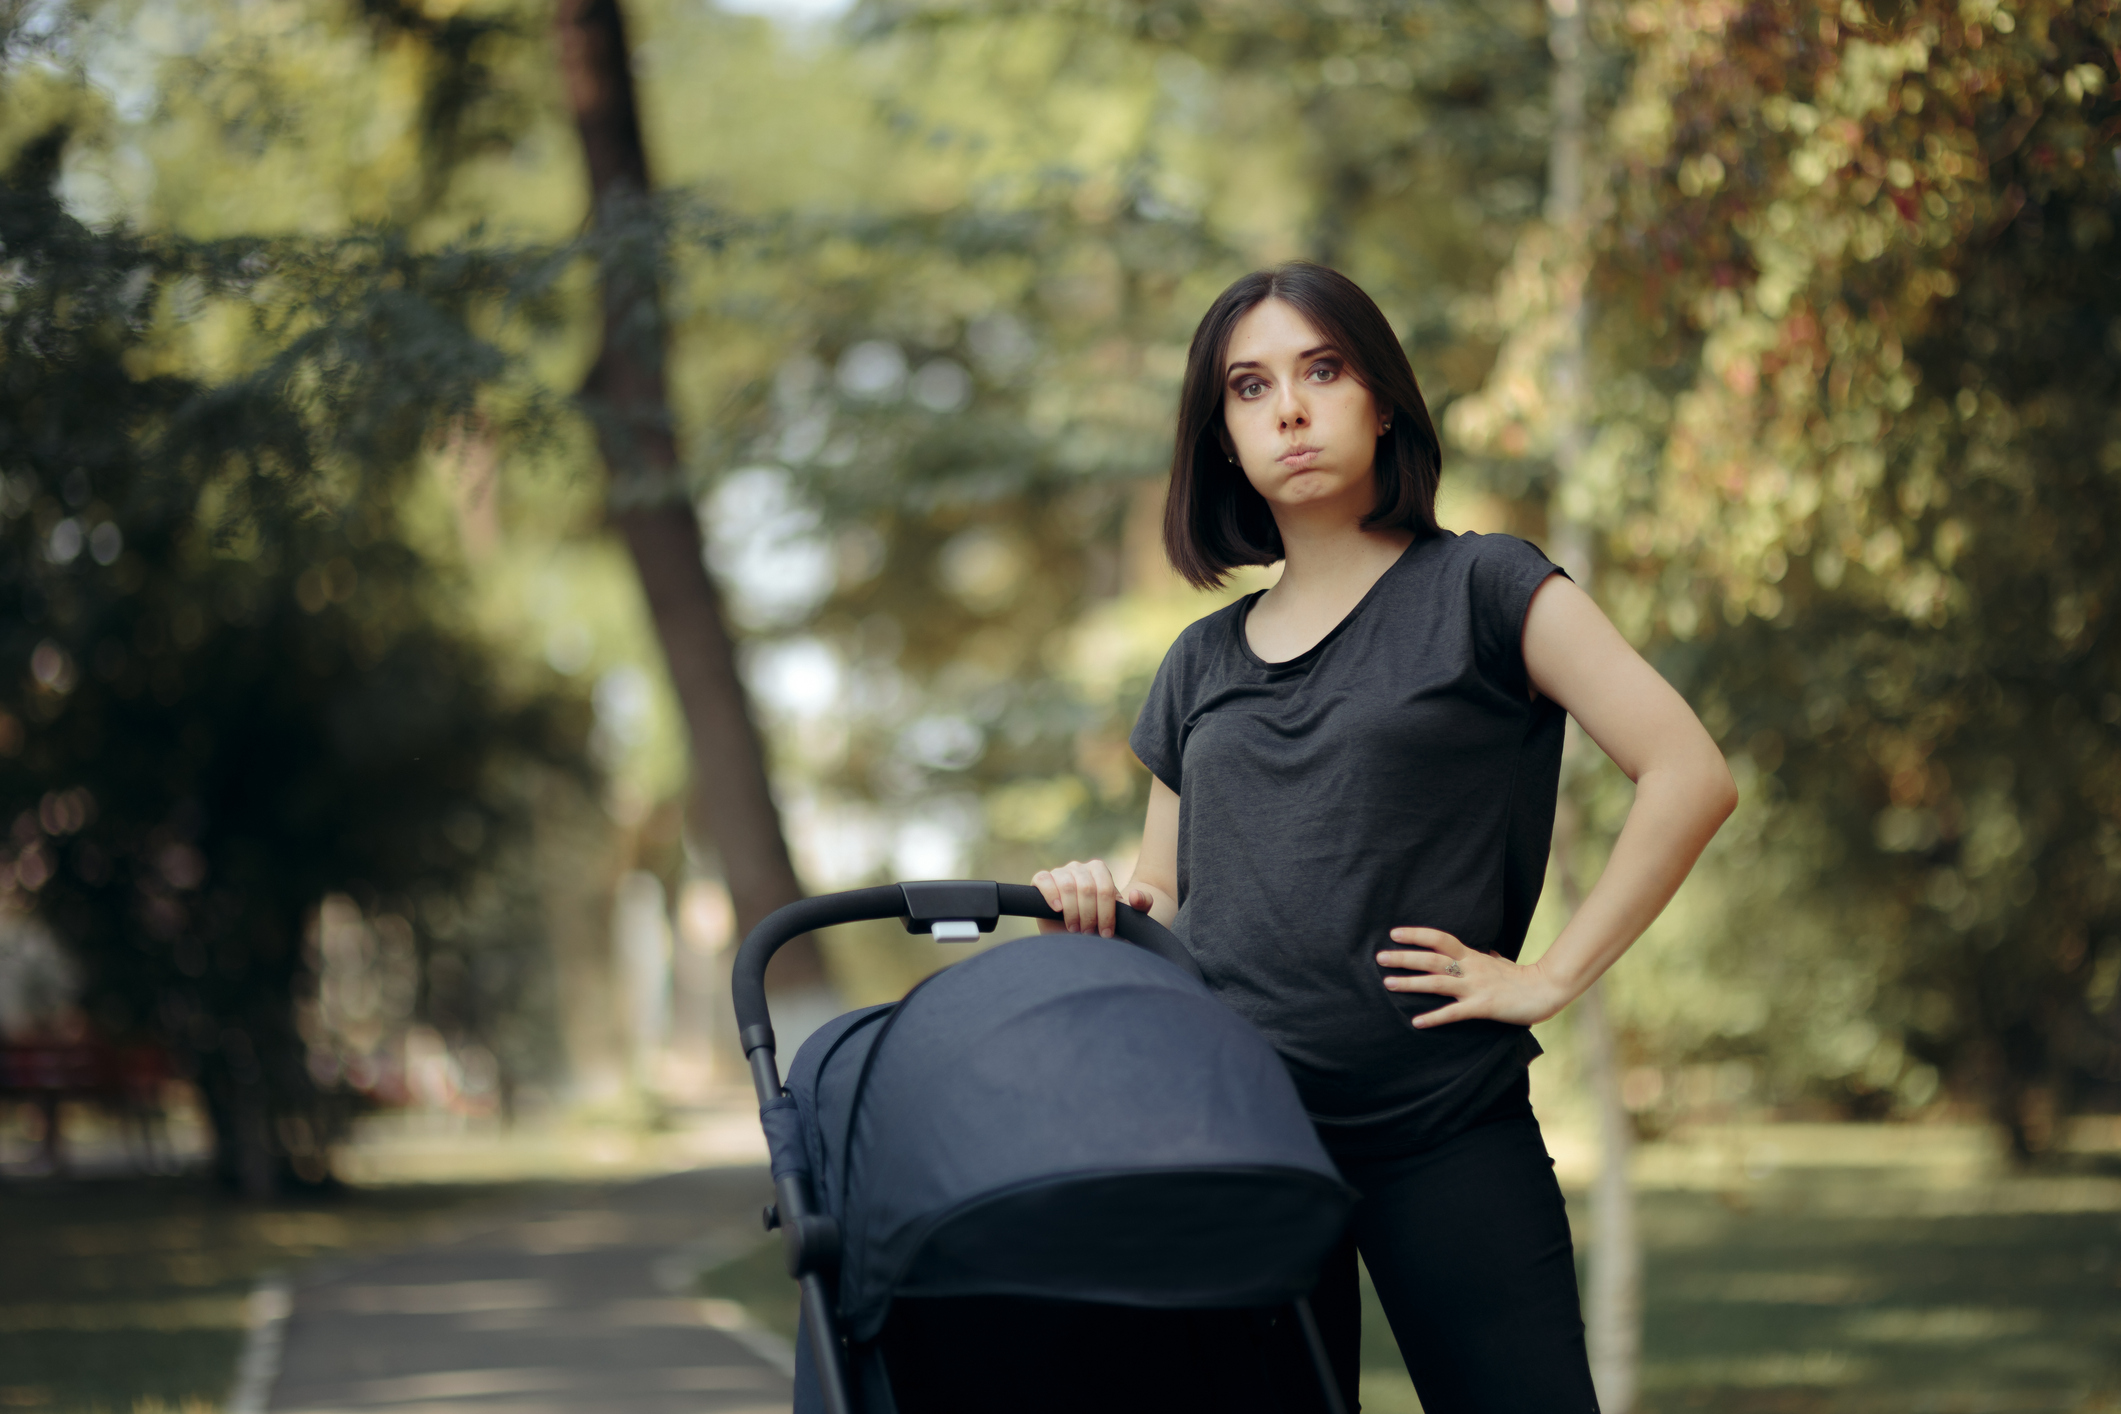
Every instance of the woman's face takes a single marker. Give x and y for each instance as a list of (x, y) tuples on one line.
[(1303, 427)]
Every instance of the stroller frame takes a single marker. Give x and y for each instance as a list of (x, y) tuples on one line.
[(953, 910)]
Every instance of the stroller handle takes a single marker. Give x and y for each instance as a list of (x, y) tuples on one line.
[(921, 905)]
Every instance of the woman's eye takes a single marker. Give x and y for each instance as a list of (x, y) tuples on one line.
[(1324, 372), (1250, 390)]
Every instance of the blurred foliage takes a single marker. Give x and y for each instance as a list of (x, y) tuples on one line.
[(930, 275), (1855, 322), (1858, 312), (992, 671), (235, 691)]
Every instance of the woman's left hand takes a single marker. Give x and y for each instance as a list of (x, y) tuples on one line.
[(1483, 984)]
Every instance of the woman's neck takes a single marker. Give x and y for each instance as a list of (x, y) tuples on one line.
[(1333, 560), (1325, 574)]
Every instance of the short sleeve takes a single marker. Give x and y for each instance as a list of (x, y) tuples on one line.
[(1506, 573), (1156, 738)]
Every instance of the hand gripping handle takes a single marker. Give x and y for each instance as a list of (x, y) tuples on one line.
[(1138, 928), (748, 985)]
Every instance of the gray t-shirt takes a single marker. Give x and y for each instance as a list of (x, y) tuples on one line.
[(1399, 773)]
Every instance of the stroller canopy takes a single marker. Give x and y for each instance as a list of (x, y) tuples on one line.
[(1061, 1117)]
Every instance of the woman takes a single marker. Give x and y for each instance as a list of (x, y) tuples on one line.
[(1352, 804)]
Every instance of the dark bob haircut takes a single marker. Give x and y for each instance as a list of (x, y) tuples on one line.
[(1213, 520)]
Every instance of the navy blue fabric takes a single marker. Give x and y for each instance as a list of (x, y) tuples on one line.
[(853, 1033), (784, 1137), (1056, 1061)]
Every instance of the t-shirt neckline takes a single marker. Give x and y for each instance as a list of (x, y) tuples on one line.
[(1303, 659)]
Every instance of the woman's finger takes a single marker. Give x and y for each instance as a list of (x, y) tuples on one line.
[(1463, 1009), (1429, 982), (1071, 903), (1423, 961), (1085, 915), (1107, 896), (1435, 938), (1059, 897), (1050, 892)]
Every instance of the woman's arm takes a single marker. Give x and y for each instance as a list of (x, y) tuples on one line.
[(1683, 793), (1085, 892)]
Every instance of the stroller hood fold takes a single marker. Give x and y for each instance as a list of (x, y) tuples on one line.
[(1069, 1118)]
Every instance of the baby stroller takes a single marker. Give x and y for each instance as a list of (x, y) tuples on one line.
[(1059, 1175)]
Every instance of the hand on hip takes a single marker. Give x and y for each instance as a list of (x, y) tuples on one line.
[(1482, 984)]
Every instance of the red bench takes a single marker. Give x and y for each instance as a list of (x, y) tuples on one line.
[(124, 1081)]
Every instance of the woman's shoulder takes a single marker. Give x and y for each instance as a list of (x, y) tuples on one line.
[(1492, 564), (1493, 578), (1197, 659), (1493, 548), (1207, 635)]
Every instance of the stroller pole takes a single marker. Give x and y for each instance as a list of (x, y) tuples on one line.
[(811, 1238), (831, 1359), (1315, 1343)]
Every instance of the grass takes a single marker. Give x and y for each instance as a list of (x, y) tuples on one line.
[(1824, 1293), (129, 1296), (1852, 1270), (757, 1281), (1776, 1309)]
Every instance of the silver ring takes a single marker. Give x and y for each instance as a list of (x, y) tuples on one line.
[(1455, 970)]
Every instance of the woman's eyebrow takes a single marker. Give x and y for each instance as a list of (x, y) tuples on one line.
[(1307, 353)]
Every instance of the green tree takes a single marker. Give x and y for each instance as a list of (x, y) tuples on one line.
[(1148, 155), (1856, 289), (232, 693)]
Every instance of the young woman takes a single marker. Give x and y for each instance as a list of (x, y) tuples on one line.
[(1352, 804)]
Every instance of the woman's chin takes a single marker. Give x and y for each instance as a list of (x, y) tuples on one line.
[(1313, 486)]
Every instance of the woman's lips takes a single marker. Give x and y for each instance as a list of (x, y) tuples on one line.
[(1300, 458)]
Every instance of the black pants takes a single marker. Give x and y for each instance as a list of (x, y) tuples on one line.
[(1468, 1246)]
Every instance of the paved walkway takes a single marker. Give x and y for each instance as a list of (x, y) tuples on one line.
[(582, 1305)]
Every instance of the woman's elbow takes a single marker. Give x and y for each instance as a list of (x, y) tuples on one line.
[(1719, 789)]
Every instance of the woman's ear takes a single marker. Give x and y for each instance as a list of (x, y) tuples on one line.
[(1222, 439)]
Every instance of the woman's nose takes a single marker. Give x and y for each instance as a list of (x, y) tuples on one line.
[(1291, 411)]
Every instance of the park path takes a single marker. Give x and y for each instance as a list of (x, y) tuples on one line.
[(581, 1304)]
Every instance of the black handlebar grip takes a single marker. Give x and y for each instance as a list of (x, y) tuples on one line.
[(1138, 928), (748, 982)]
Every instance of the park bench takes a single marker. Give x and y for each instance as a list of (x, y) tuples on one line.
[(123, 1081)]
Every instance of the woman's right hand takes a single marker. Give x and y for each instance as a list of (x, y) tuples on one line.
[(1085, 895)]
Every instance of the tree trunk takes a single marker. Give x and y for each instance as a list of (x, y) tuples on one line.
[(572, 848), (1613, 1308), (1613, 1325), (1613, 1314), (730, 802)]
